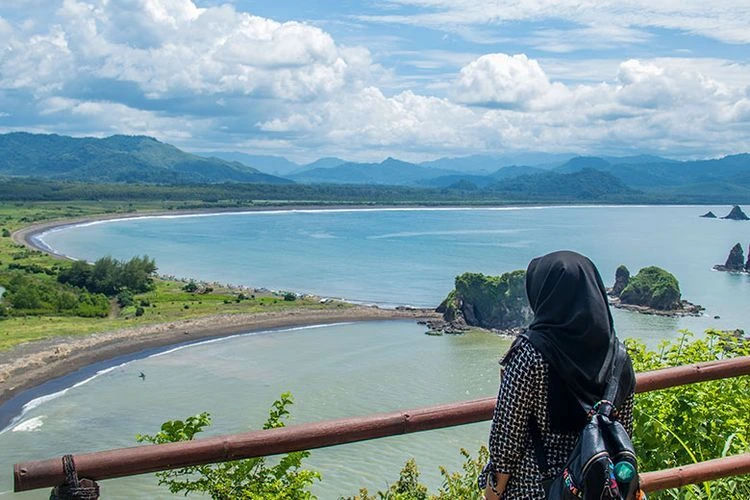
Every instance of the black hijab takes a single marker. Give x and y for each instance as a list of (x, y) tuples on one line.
[(573, 329)]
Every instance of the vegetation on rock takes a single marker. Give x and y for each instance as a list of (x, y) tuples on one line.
[(493, 302), (653, 287)]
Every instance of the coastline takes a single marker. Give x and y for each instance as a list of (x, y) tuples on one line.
[(28, 365), (33, 363)]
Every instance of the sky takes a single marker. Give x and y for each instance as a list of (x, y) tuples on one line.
[(364, 80)]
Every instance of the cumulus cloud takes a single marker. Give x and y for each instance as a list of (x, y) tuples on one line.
[(216, 78), (512, 104), (172, 47), (502, 80)]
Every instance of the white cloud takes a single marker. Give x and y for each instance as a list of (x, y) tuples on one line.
[(726, 21), (502, 80), (172, 48), (104, 118), (215, 78)]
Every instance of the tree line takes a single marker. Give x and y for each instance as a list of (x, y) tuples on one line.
[(82, 289)]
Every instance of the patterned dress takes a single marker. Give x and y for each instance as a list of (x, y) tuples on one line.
[(523, 395)]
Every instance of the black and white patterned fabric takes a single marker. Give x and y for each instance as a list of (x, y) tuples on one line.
[(523, 396)]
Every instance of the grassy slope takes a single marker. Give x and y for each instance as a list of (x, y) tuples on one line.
[(167, 302)]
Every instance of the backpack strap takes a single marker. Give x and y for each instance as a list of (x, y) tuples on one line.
[(607, 405)]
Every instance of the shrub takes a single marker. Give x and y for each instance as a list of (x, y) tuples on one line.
[(125, 298), (109, 276), (251, 478), (455, 485), (672, 427), (139, 311), (696, 422)]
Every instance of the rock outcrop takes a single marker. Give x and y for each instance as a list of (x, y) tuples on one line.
[(652, 291), (736, 214), (652, 287), (491, 302), (709, 215), (735, 262), (622, 278)]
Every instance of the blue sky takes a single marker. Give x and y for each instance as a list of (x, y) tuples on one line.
[(414, 79)]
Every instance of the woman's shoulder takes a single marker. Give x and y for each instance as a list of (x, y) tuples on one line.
[(523, 352)]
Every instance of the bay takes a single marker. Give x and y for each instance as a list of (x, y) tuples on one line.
[(388, 257)]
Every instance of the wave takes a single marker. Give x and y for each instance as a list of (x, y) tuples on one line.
[(30, 425), (37, 402)]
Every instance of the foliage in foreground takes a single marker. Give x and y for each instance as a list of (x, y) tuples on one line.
[(672, 427), (455, 485), (252, 478), (696, 422)]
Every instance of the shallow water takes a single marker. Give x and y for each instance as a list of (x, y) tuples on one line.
[(382, 256)]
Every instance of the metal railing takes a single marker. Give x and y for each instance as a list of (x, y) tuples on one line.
[(151, 458)]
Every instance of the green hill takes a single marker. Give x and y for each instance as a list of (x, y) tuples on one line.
[(588, 184), (388, 172), (118, 158)]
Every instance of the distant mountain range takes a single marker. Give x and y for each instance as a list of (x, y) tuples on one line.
[(143, 159), (116, 159)]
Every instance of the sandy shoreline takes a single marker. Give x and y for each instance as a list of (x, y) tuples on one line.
[(33, 363), (30, 364)]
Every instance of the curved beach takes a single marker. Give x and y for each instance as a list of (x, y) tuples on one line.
[(28, 365)]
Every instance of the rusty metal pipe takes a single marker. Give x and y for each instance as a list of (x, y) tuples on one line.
[(696, 473), (141, 459), (151, 458), (690, 374)]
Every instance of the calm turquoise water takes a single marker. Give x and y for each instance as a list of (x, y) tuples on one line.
[(387, 257)]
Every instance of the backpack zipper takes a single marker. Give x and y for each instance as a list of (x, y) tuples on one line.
[(591, 460)]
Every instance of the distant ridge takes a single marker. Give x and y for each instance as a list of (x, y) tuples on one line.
[(691, 177), (586, 184), (388, 172), (276, 165), (119, 158), (486, 164)]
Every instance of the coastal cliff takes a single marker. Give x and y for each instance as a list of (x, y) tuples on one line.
[(652, 291), (490, 302)]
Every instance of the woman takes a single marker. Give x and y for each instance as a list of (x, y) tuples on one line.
[(566, 356)]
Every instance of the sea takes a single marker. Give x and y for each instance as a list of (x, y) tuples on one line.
[(388, 257)]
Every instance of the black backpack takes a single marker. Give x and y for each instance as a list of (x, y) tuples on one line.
[(602, 464)]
